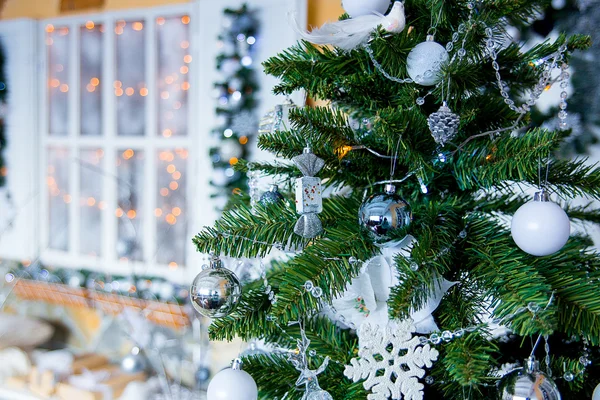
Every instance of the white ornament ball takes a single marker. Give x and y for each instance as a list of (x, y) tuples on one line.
[(356, 8), (425, 61), (540, 228), (232, 384), (596, 395)]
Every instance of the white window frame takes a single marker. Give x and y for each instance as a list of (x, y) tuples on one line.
[(111, 143)]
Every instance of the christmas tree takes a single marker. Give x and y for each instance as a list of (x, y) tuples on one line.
[(418, 263)]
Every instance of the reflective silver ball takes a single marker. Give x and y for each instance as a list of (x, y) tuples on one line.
[(384, 213), (134, 362), (521, 384), (215, 292)]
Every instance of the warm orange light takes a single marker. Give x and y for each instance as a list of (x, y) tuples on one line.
[(176, 211), (121, 23), (548, 87), (233, 160), (236, 191), (3, 171), (164, 95), (169, 79), (342, 151), (119, 213), (172, 265), (167, 133), (119, 30), (95, 81), (90, 88), (160, 21), (67, 198), (127, 154), (183, 153), (185, 85), (91, 201), (158, 212), (131, 214), (64, 88), (117, 84), (102, 205), (170, 157), (90, 25), (129, 91), (171, 168), (243, 139), (185, 19), (176, 175), (170, 218), (64, 31), (143, 92), (49, 28), (174, 185), (187, 59), (137, 26), (164, 192), (118, 92), (162, 155), (55, 83), (50, 181)]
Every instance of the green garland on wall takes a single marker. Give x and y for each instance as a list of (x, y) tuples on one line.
[(236, 100)]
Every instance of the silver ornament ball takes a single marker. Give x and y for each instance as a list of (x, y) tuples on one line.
[(216, 291), (425, 61), (272, 196), (384, 213), (528, 383), (443, 125), (134, 362)]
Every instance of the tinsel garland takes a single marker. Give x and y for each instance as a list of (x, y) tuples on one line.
[(236, 100)]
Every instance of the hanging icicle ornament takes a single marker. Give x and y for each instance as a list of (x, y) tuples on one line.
[(528, 383), (272, 196), (443, 124), (308, 377), (384, 213), (216, 291), (425, 62), (232, 383), (277, 119), (350, 34), (540, 227), (309, 201)]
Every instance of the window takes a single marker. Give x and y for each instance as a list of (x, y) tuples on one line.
[(116, 140)]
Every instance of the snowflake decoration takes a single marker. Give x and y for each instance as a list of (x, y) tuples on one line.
[(401, 365), (244, 123)]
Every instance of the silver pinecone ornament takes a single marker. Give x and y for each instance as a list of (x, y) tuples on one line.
[(443, 124)]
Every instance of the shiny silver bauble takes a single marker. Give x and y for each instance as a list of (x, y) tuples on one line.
[(384, 213), (215, 292), (134, 362), (528, 383)]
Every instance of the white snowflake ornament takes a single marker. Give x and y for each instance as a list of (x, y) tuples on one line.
[(402, 365)]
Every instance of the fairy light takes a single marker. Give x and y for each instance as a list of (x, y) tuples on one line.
[(90, 25), (187, 59), (131, 214), (137, 26), (185, 19), (171, 168), (167, 133), (158, 212), (129, 91), (184, 70), (91, 201), (233, 160), (49, 28), (173, 265), (173, 185), (54, 83), (176, 211), (64, 88), (143, 92), (176, 175), (243, 140), (185, 44), (119, 212), (164, 192), (171, 219), (342, 151), (118, 92), (67, 198), (160, 21), (127, 154)]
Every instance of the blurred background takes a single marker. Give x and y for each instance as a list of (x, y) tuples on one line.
[(121, 122)]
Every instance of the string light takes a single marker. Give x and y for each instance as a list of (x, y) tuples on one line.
[(160, 21), (64, 88), (118, 92), (91, 201), (90, 25), (131, 214), (55, 83), (173, 185), (171, 220), (164, 192), (185, 19), (243, 140), (187, 59), (176, 175), (129, 91), (143, 92), (67, 198), (95, 81), (184, 70), (119, 213), (127, 154), (176, 211), (49, 28), (157, 212), (172, 265), (138, 26), (167, 133), (185, 44)]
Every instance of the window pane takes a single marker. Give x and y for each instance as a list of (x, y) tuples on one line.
[(171, 211), (57, 179), (57, 42), (173, 71), (130, 192), (91, 203), (130, 86), (91, 79)]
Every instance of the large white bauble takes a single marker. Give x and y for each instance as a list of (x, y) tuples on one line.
[(231, 384), (356, 8), (540, 228), (425, 61), (229, 149), (596, 395)]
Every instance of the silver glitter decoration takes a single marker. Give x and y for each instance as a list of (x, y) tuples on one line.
[(443, 124), (272, 196), (308, 195)]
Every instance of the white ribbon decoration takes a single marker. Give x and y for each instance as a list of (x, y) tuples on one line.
[(365, 300)]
